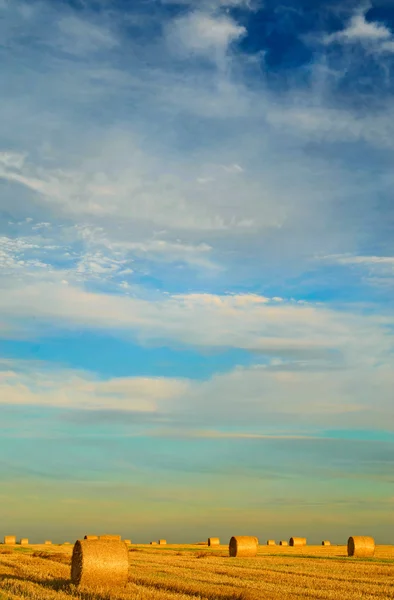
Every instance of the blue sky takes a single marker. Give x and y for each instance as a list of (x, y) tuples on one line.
[(197, 268)]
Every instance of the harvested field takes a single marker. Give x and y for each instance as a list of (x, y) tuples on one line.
[(176, 572)]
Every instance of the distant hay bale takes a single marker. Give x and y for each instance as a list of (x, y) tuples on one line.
[(91, 537), (271, 543), (103, 563), (24, 542), (66, 544), (128, 542), (326, 543), (283, 543), (48, 543), (243, 546), (153, 543), (112, 537), (213, 541), (360, 545), (297, 541), (162, 542), (10, 540)]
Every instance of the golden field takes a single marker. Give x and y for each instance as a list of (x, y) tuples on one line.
[(197, 572)]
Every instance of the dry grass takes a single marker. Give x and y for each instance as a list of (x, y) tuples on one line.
[(187, 573)]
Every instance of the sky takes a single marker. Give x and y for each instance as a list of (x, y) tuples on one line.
[(197, 269)]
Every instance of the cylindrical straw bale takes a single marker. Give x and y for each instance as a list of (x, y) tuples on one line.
[(48, 543), (100, 563), (153, 543), (91, 537), (10, 540), (297, 541), (360, 545), (326, 543), (283, 543), (24, 542), (213, 541), (271, 543), (243, 545), (108, 536), (162, 542), (128, 542)]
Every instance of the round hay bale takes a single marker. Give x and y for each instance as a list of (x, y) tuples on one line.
[(48, 543), (213, 541), (10, 540), (91, 537), (66, 544), (100, 563), (360, 545), (243, 545), (283, 543), (128, 542), (326, 543), (271, 543), (162, 542), (108, 536), (24, 542), (297, 541), (153, 543)]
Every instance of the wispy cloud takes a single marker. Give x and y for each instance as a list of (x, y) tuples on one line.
[(376, 270), (78, 36), (348, 259)]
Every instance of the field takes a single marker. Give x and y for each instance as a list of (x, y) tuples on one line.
[(197, 572)]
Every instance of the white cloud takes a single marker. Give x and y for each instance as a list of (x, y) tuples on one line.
[(289, 329), (12, 160), (261, 401), (359, 30), (73, 389), (215, 4), (209, 35)]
